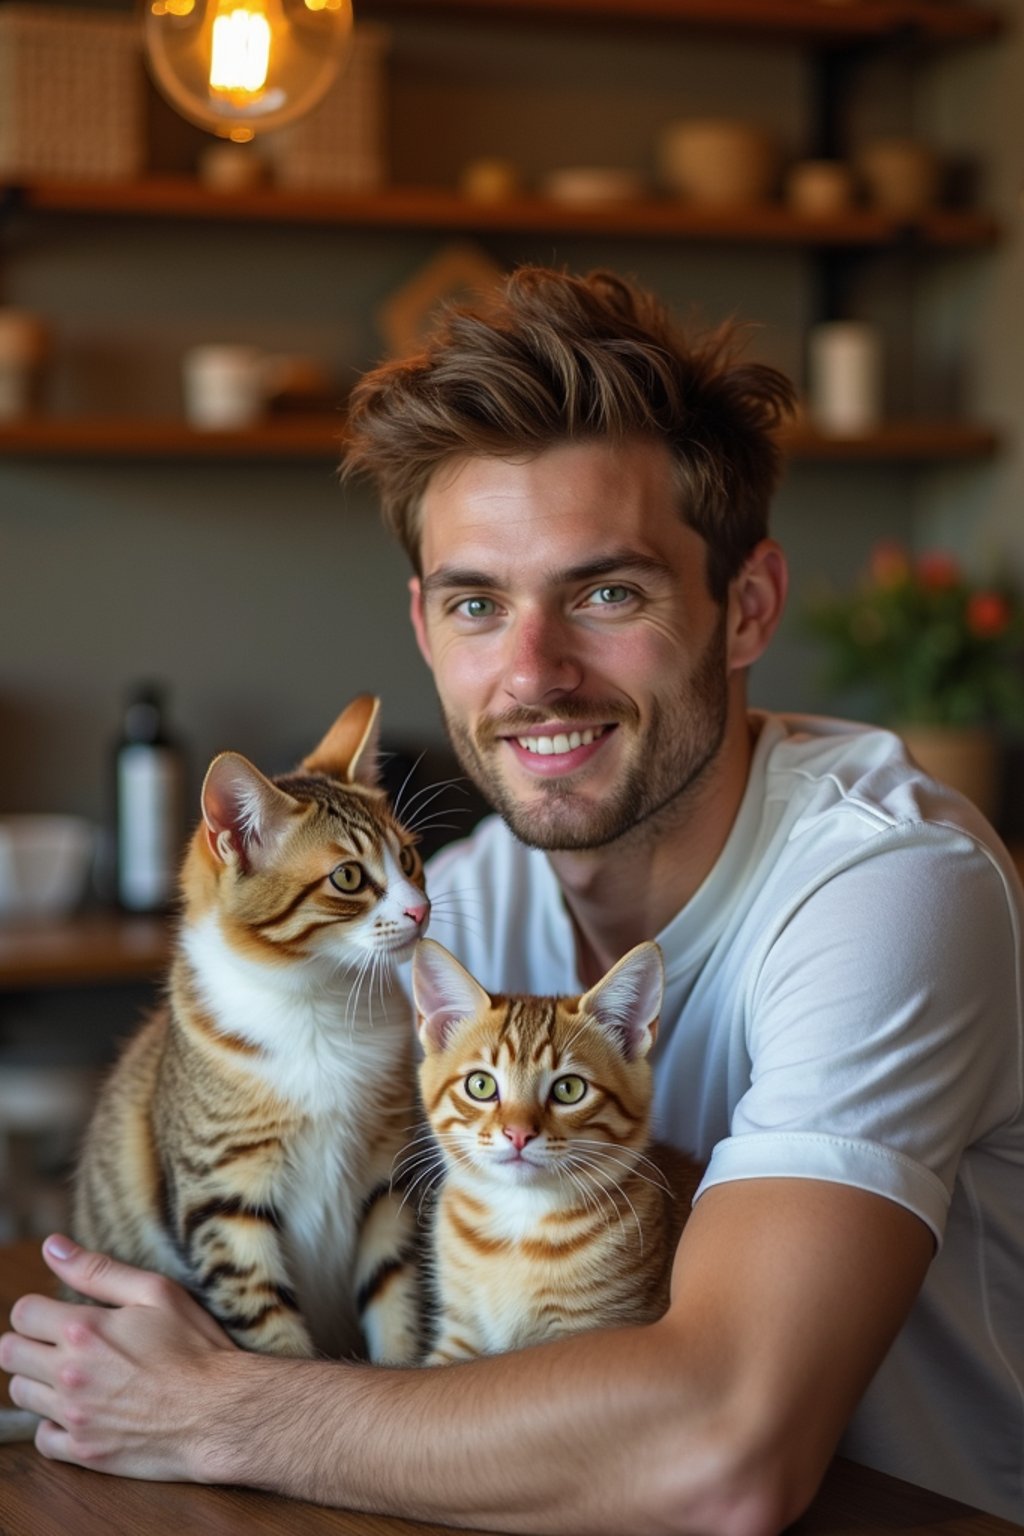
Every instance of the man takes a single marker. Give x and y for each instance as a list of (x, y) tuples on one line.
[(584, 496)]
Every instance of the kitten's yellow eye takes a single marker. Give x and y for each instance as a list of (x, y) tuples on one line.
[(481, 1085), (407, 860), (568, 1090), (348, 878)]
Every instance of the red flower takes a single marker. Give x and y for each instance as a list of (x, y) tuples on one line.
[(890, 565), (937, 571), (988, 615)]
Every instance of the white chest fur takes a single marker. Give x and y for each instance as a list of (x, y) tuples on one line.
[(333, 1059)]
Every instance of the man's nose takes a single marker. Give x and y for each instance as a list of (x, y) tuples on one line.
[(542, 664)]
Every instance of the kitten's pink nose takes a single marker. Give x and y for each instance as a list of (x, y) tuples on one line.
[(518, 1135), (418, 914)]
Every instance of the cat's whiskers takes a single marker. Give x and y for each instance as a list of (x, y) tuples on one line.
[(610, 1151), (414, 820), (456, 782), (590, 1201), (455, 919), (594, 1164), (598, 1188), (397, 800)]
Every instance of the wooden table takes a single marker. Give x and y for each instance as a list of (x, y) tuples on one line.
[(42, 1498)]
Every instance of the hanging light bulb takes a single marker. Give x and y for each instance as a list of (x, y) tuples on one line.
[(236, 67)]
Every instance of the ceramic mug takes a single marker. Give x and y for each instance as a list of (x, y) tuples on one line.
[(845, 382), (225, 387), (24, 346)]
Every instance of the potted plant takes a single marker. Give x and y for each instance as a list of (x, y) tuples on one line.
[(933, 654)]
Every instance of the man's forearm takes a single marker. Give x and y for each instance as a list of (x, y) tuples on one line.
[(575, 1436)]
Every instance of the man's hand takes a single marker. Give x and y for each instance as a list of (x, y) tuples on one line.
[(126, 1387)]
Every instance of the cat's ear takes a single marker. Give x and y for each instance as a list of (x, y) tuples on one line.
[(349, 750), (444, 993), (244, 813), (626, 1003)]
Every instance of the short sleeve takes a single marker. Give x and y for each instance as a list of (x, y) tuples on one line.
[(883, 1026)]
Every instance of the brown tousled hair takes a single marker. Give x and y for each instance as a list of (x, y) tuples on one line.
[(557, 358)]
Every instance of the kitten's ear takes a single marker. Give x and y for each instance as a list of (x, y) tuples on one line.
[(244, 813), (444, 993), (349, 750), (627, 1002)]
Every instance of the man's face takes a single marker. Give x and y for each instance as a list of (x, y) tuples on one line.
[(579, 659)]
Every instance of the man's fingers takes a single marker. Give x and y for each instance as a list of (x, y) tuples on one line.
[(20, 1354), (99, 1277), (33, 1396)]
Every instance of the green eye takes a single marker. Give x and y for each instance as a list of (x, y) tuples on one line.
[(568, 1090), (609, 596), (348, 878), (481, 1085), (477, 607), (407, 860)]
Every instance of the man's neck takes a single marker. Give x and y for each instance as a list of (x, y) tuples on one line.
[(628, 891)]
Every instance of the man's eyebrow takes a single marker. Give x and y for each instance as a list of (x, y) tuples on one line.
[(449, 578)]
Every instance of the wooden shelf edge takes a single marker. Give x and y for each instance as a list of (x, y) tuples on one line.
[(896, 441), (299, 437), (441, 209), (934, 21), (322, 438), (89, 947)]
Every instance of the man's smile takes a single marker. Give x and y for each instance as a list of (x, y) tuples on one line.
[(557, 749)]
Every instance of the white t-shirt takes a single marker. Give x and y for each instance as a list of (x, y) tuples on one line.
[(843, 1002)]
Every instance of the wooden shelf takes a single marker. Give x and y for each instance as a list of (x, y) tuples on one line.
[(929, 21), (907, 441), (86, 949), (322, 438), (288, 437), (437, 208)]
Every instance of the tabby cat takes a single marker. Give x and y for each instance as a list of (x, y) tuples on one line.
[(244, 1142), (556, 1213)]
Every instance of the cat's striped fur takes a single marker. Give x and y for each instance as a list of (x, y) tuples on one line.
[(244, 1144), (556, 1213)]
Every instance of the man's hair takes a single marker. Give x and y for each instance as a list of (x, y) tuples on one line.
[(557, 359)]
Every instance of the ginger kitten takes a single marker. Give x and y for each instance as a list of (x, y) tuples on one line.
[(556, 1212)]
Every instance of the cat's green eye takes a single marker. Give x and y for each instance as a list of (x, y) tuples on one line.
[(481, 1086), (348, 878), (568, 1090), (407, 860)]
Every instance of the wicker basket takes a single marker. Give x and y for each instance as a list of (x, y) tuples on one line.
[(340, 145), (71, 94)]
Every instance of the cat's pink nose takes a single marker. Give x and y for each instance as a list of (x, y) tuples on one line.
[(518, 1135), (418, 914)]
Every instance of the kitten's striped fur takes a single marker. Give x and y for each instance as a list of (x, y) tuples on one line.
[(244, 1143), (556, 1213)]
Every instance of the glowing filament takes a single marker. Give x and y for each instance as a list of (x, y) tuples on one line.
[(240, 53)]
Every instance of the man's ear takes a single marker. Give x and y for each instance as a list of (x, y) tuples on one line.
[(756, 599), (418, 619)]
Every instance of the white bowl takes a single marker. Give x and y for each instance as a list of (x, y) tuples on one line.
[(45, 862)]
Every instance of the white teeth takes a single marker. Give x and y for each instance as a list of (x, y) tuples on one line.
[(546, 746)]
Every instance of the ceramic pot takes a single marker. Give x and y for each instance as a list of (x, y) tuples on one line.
[(900, 176), (967, 759), (718, 161), (819, 189)]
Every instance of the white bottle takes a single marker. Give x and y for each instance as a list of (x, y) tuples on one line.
[(150, 805)]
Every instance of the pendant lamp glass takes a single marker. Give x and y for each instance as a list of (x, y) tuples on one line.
[(239, 67)]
